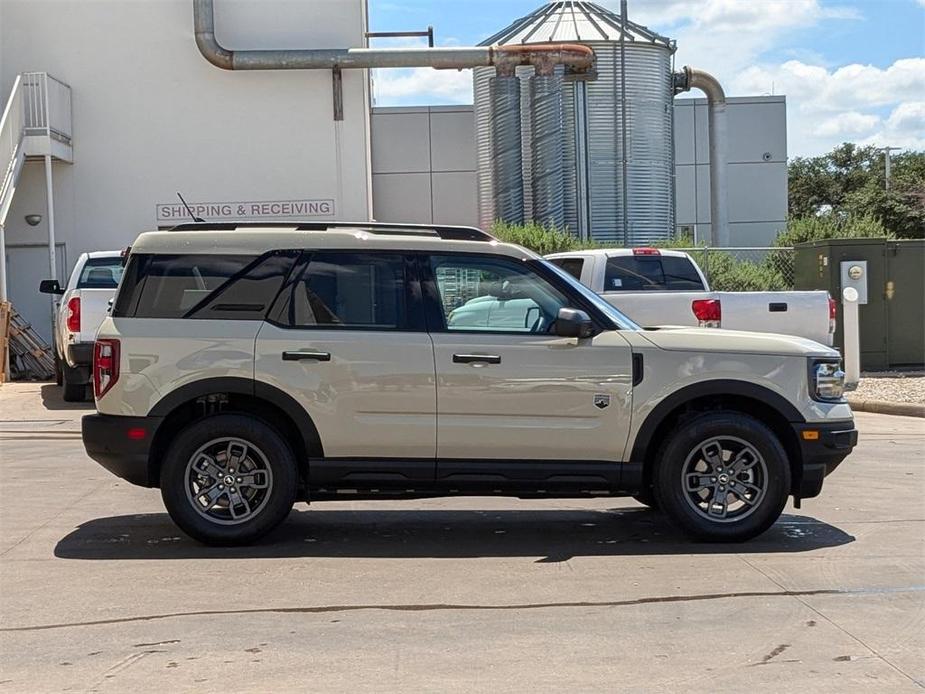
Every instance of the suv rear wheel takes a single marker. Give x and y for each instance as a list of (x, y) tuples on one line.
[(722, 477), (228, 480)]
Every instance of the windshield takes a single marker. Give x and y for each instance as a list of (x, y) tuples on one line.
[(623, 322)]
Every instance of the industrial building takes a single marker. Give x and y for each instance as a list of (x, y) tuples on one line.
[(113, 107)]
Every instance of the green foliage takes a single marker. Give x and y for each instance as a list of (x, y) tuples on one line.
[(727, 274), (849, 182), (538, 238)]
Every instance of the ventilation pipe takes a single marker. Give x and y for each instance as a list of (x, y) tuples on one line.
[(690, 78), (506, 147), (546, 131), (455, 58)]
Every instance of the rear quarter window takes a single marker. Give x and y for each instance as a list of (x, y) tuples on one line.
[(634, 273), (218, 287), (572, 266)]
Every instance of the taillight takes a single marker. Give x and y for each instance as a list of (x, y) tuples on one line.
[(646, 251), (833, 309), (709, 312), (105, 366), (73, 315)]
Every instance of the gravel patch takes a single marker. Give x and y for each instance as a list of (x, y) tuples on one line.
[(891, 387)]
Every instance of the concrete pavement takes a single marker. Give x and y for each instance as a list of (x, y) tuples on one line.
[(99, 591)]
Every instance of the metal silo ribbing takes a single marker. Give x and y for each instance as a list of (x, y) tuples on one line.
[(507, 158), (547, 148)]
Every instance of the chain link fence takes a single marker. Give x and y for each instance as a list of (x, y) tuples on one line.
[(745, 269)]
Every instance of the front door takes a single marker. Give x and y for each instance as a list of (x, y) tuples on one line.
[(347, 341), (508, 388)]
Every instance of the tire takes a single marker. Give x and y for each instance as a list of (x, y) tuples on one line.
[(728, 497), (197, 462), (73, 391), (59, 374)]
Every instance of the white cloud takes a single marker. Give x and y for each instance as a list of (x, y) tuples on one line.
[(422, 86), (847, 125), (905, 128), (828, 106)]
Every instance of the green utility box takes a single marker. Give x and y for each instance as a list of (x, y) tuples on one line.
[(892, 274)]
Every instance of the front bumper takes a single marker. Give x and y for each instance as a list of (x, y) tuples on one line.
[(122, 445), (823, 445)]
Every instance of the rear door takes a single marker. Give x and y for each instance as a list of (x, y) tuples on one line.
[(346, 339), (515, 401)]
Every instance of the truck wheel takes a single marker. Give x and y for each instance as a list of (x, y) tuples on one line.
[(73, 391), (722, 477), (646, 497), (59, 375), (228, 480)]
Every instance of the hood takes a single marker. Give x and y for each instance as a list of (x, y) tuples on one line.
[(736, 341)]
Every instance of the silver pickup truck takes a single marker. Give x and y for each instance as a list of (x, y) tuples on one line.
[(664, 287)]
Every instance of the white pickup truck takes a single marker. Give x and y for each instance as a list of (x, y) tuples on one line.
[(83, 305), (664, 287)]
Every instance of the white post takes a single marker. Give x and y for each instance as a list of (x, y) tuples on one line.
[(2, 263), (52, 258), (851, 328)]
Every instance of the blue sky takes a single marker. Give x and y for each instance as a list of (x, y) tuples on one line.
[(852, 70)]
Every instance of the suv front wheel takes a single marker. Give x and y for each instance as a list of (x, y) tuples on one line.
[(228, 480), (722, 477)]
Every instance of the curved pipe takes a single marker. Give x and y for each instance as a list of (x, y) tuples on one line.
[(505, 57), (691, 78)]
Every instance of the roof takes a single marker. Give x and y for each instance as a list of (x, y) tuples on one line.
[(260, 238), (574, 21), (619, 252)]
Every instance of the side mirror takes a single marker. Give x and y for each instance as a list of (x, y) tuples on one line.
[(50, 287), (571, 322)]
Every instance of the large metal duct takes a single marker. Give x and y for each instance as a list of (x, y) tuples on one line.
[(547, 168), (576, 56), (691, 78), (507, 162)]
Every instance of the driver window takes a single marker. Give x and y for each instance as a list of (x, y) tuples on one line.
[(491, 294)]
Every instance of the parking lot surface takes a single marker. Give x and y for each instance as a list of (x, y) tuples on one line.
[(99, 591)]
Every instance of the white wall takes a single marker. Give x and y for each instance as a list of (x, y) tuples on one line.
[(757, 173), (152, 117), (423, 164)]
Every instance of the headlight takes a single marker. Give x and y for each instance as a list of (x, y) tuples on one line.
[(828, 381)]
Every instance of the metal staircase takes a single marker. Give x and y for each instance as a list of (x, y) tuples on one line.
[(36, 124)]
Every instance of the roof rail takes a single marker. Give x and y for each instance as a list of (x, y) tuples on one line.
[(449, 233)]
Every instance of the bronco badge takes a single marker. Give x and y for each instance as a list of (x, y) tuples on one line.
[(601, 401)]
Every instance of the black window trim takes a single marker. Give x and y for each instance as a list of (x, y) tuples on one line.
[(436, 321), (144, 260), (412, 321)]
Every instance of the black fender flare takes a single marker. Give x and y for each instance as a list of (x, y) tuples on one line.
[(704, 389), (244, 386)]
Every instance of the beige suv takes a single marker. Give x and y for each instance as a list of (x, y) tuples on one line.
[(246, 367)]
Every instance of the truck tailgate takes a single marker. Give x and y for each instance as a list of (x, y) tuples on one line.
[(805, 314), (94, 307)]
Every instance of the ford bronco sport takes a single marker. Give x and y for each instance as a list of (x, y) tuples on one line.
[(249, 366)]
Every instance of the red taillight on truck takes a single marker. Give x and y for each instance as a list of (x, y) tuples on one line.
[(646, 251), (709, 312), (73, 315), (105, 366), (833, 310)]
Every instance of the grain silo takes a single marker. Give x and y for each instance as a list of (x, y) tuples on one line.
[(595, 150)]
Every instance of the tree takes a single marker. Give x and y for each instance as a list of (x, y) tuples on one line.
[(849, 182)]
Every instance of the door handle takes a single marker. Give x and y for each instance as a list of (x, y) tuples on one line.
[(476, 358), (306, 355)]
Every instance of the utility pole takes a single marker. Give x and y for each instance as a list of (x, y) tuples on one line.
[(887, 164)]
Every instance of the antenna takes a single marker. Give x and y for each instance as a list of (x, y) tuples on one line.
[(189, 210)]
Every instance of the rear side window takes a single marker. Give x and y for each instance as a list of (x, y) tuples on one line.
[(218, 287), (572, 266), (100, 273), (360, 291), (633, 273)]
